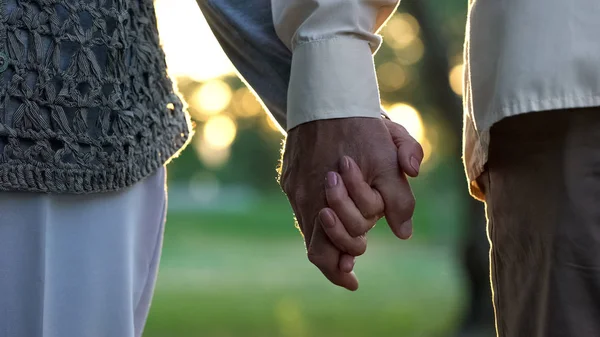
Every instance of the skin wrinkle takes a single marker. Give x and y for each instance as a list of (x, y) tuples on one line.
[(87, 103)]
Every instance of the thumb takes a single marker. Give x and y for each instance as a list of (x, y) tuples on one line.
[(410, 152)]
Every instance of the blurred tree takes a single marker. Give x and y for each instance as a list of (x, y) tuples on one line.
[(474, 244)]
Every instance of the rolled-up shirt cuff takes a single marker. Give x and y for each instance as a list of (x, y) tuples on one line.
[(332, 78)]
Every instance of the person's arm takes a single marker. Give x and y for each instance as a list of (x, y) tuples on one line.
[(332, 70), (332, 41), (246, 32), (332, 108)]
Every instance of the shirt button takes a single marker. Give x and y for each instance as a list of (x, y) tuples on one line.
[(3, 62)]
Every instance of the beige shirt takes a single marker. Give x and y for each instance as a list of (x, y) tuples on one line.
[(520, 56), (332, 44), (523, 56)]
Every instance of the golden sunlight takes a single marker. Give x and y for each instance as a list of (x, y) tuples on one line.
[(219, 132), (412, 53), (456, 79), (191, 48), (401, 30), (409, 118), (245, 103), (213, 157), (211, 97), (391, 76), (270, 124), (427, 149)]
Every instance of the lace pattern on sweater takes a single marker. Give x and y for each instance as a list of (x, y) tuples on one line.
[(86, 104)]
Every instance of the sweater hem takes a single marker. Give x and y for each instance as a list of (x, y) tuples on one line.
[(28, 177)]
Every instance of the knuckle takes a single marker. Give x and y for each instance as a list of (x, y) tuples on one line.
[(316, 259), (335, 199), (357, 228), (410, 204), (352, 181), (419, 148), (372, 212), (401, 128), (406, 207), (359, 247), (367, 213), (387, 168), (297, 195)]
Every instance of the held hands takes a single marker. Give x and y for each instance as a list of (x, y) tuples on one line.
[(375, 155)]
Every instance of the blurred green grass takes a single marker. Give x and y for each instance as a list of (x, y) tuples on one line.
[(245, 275)]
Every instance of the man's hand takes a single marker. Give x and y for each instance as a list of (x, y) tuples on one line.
[(352, 197), (316, 148)]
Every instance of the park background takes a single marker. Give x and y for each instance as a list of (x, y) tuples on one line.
[(233, 263)]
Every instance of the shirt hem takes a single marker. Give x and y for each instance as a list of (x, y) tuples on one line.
[(475, 161)]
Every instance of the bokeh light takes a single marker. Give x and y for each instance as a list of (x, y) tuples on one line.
[(245, 103), (427, 150), (456, 79), (211, 156), (457, 59), (401, 31), (211, 97), (219, 132), (409, 118), (391, 76), (412, 54), (198, 56)]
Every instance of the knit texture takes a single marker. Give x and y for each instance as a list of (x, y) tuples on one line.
[(86, 104)]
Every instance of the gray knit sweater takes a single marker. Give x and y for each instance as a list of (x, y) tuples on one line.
[(85, 101)]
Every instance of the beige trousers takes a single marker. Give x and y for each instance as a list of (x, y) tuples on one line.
[(542, 192)]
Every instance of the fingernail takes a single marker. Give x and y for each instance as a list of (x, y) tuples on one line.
[(327, 219), (345, 164), (406, 230), (332, 179), (415, 164)]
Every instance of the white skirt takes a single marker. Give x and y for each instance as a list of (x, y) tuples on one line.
[(80, 265)]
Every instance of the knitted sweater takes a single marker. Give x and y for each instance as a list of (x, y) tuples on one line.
[(85, 101)]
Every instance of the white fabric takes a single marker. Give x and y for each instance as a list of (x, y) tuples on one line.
[(332, 41), (80, 265), (524, 56)]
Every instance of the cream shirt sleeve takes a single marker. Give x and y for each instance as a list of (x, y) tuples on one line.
[(332, 44)]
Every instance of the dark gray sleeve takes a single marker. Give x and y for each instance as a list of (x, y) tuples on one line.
[(245, 30)]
